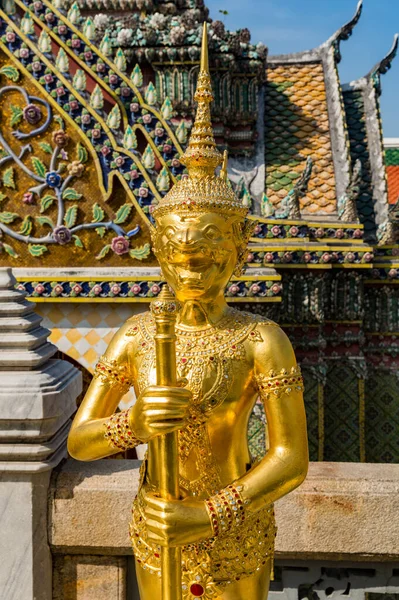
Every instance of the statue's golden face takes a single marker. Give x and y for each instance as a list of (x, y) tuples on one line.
[(197, 254)]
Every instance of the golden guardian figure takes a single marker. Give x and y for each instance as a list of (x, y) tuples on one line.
[(202, 522)]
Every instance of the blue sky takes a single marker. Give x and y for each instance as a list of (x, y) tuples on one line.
[(295, 25)]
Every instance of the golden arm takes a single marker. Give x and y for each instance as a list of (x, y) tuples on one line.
[(286, 463), (158, 409), (86, 440)]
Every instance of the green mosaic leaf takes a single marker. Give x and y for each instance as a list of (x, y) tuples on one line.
[(100, 231), (8, 217), (98, 214), (10, 250), (16, 115), (71, 194), (8, 178), (59, 121), (38, 167), (71, 216), (10, 72), (46, 202), (141, 252), (37, 249), (26, 226), (45, 221), (46, 147), (82, 153), (103, 252), (122, 213), (78, 241), (2, 197)]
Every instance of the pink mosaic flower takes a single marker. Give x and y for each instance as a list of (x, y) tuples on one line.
[(147, 119), (358, 233), (294, 231), (77, 289), (39, 289), (155, 289), (28, 198), (392, 273), (276, 230), (24, 53), (319, 233), (105, 150), (143, 192), (340, 233), (326, 258), (250, 257), (276, 288), (136, 289), (234, 289), (255, 288), (97, 289), (368, 257), (58, 289), (120, 245), (116, 289), (269, 257)]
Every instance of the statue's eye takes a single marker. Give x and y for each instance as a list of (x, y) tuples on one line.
[(169, 232), (212, 232)]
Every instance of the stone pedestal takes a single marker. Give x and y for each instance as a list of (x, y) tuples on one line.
[(37, 399)]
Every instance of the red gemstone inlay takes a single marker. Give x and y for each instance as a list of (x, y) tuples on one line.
[(197, 590)]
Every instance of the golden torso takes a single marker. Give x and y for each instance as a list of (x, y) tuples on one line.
[(218, 364)]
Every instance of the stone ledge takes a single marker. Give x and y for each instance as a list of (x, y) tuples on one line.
[(341, 511)]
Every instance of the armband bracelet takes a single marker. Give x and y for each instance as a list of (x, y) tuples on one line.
[(109, 371), (118, 432), (226, 509), (278, 384)]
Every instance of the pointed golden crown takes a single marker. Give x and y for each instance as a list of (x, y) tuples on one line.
[(202, 190)]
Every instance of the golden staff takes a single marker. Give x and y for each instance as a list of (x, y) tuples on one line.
[(164, 311)]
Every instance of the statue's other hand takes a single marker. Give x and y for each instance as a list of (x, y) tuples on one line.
[(176, 522), (159, 410)]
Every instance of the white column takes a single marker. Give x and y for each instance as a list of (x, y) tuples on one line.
[(37, 399)]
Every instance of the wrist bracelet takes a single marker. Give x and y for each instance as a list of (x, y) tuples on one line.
[(226, 509), (118, 432)]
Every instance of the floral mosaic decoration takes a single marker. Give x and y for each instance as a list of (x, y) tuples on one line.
[(53, 185)]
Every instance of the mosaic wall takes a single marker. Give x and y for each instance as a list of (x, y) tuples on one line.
[(297, 127), (392, 166)]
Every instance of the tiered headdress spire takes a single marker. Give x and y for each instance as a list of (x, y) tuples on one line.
[(201, 156), (202, 190)]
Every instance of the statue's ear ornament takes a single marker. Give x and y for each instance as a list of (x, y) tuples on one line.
[(247, 230)]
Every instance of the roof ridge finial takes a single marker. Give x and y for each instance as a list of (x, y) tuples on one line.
[(201, 156)]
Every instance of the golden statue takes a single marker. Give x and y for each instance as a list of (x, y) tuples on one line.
[(203, 523)]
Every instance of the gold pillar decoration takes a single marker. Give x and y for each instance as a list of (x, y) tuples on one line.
[(201, 497)]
